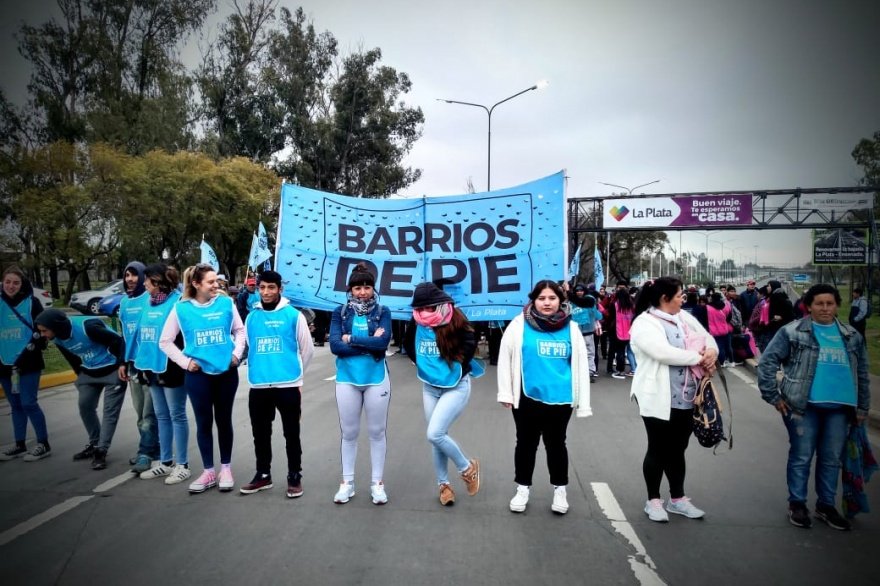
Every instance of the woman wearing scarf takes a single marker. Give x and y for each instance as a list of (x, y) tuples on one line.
[(667, 341), (360, 331), (543, 373), (441, 343), (164, 377), (21, 356)]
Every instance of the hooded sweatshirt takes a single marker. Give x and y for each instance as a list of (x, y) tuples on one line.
[(56, 321), (29, 360), (130, 309)]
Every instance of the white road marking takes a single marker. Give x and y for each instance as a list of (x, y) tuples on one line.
[(641, 563), (60, 509), (745, 377), (114, 482), (44, 517), (331, 377)]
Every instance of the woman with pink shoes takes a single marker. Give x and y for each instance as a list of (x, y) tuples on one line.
[(214, 340)]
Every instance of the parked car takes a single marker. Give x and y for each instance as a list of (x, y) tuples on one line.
[(110, 304), (44, 296), (89, 302)]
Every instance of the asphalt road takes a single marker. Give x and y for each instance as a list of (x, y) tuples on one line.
[(62, 523)]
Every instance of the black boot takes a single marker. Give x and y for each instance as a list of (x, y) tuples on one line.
[(99, 459)]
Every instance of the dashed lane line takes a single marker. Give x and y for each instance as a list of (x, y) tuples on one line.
[(641, 563), (59, 509)]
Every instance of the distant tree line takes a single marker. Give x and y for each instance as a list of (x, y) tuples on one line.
[(122, 152)]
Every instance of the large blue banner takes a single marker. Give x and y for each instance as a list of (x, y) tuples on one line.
[(488, 248)]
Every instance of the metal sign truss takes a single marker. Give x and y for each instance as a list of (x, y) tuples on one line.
[(777, 209)]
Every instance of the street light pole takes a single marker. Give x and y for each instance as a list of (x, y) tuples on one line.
[(538, 86)]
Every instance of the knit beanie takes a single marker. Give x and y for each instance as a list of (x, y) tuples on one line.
[(361, 275), (56, 321), (429, 294)]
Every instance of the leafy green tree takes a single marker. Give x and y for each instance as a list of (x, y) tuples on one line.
[(867, 155)]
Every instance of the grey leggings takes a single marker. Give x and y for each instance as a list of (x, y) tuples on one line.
[(374, 400)]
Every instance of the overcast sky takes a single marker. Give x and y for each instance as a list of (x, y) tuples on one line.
[(705, 95)]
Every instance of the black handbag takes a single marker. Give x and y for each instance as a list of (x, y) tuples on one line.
[(708, 423)]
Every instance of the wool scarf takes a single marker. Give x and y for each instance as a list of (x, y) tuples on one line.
[(441, 316), (547, 323)]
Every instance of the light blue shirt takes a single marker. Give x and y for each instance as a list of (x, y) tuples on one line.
[(833, 381)]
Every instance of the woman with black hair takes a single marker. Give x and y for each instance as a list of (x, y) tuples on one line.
[(441, 343), (360, 331), (543, 374), (673, 351), (621, 316), (165, 377)]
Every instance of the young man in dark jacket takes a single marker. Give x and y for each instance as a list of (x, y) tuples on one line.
[(95, 353)]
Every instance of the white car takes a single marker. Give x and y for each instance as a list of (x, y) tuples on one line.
[(44, 296), (89, 302)]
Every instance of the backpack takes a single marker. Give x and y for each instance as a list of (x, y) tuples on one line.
[(735, 319), (707, 421)]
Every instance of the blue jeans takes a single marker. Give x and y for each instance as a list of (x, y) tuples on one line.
[(169, 404), (631, 357), (725, 348), (25, 407), (442, 408), (148, 430), (821, 431), (212, 396)]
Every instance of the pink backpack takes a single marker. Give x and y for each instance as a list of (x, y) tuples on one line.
[(765, 312), (622, 322)]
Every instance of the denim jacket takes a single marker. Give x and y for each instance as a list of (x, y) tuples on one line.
[(796, 349), (379, 317)]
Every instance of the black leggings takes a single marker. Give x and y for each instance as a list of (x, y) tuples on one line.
[(667, 442)]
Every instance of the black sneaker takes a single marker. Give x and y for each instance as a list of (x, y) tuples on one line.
[(14, 452), (260, 482), (87, 453), (799, 515), (832, 518), (99, 459)]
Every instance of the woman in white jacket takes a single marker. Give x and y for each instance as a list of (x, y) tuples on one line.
[(672, 350), (543, 373)]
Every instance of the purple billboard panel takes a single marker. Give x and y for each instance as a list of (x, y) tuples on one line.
[(714, 210)]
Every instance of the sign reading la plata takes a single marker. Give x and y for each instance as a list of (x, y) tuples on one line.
[(663, 212)]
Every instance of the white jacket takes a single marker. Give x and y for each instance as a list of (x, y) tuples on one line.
[(654, 354), (510, 367)]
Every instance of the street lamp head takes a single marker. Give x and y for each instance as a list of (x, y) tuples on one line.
[(541, 84)]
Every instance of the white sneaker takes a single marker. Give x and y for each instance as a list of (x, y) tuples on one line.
[(344, 494), (655, 512), (377, 491), (560, 501), (684, 507), (155, 472), (225, 480), (178, 474), (520, 499)]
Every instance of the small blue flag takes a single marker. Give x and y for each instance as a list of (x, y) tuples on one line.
[(575, 267), (599, 275), (209, 256)]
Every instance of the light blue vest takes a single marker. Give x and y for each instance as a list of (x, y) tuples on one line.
[(547, 365), (129, 315), (361, 370), (14, 335), (253, 301), (207, 333), (430, 366), (153, 317), (273, 355), (92, 354)]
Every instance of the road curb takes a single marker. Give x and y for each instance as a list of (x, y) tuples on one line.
[(873, 414), (48, 381)]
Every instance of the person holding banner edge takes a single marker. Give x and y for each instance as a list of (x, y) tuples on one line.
[(214, 340), (441, 343), (360, 331), (543, 374)]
